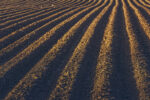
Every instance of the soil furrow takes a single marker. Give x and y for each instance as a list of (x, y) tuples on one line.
[(141, 74), (22, 40), (53, 50)]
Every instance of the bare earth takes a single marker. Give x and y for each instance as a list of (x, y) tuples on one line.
[(74, 49)]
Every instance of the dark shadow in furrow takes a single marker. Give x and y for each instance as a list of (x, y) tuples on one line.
[(9, 10), (142, 11), (85, 77), (143, 40), (122, 82), (20, 34), (14, 14), (45, 85), (21, 11), (25, 18), (23, 45), (46, 11), (88, 3), (16, 27), (91, 2), (13, 76), (143, 4), (22, 24), (79, 3), (12, 18), (4, 13), (39, 33), (47, 8), (147, 2)]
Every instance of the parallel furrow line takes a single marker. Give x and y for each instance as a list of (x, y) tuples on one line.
[(21, 40), (139, 64), (28, 15), (39, 68), (144, 24), (145, 4), (104, 61), (143, 7), (68, 75), (32, 18), (8, 65), (147, 1)]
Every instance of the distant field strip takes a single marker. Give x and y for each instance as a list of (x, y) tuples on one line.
[(74, 49)]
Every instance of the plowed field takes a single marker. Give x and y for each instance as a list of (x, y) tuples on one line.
[(74, 49)]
